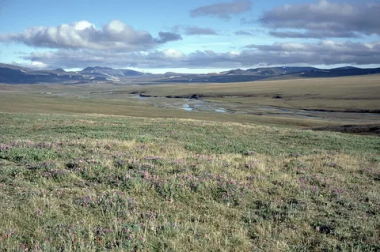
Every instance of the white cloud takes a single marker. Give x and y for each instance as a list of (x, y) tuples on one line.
[(37, 64), (223, 10), (173, 54), (33, 65), (83, 25), (323, 19), (115, 35), (325, 52)]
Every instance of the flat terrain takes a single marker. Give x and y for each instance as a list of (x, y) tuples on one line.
[(298, 102), (110, 183), (336, 94)]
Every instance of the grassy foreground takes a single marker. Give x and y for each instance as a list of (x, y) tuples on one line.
[(107, 183)]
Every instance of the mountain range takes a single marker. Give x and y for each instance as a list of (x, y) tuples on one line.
[(11, 74)]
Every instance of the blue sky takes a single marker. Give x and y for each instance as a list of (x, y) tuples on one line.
[(188, 36)]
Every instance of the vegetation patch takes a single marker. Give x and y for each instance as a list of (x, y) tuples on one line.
[(134, 184)]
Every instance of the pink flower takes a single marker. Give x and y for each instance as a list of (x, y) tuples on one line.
[(38, 212), (146, 175)]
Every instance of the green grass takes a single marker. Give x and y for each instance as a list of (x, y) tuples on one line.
[(112, 183)]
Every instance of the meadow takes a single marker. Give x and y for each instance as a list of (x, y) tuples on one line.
[(296, 102), (114, 183), (92, 167), (339, 94)]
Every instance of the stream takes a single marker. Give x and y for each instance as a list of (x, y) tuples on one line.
[(197, 105)]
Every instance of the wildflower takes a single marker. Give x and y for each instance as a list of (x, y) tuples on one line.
[(38, 212), (338, 191), (108, 146), (146, 175), (4, 147)]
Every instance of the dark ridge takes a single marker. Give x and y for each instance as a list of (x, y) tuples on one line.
[(371, 129), (18, 75), (365, 111)]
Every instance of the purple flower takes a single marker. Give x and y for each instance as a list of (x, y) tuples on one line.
[(39, 212)]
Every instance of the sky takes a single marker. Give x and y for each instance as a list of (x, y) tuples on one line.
[(189, 36)]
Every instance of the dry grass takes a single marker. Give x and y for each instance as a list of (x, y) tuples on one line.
[(339, 94), (108, 183), (361, 92), (30, 102)]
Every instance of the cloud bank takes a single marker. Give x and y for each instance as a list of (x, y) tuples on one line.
[(243, 33), (323, 19), (193, 30), (115, 35), (326, 52), (117, 44), (223, 10)]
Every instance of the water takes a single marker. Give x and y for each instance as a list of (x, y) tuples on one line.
[(187, 107), (202, 106), (220, 110), (194, 105), (318, 114)]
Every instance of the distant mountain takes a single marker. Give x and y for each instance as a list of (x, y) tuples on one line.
[(234, 72), (20, 75), (128, 72), (268, 71), (10, 73), (339, 72), (305, 72), (277, 73), (110, 72)]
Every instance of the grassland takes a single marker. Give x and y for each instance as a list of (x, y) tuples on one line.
[(340, 94), (91, 168), (253, 102), (111, 183), (63, 100)]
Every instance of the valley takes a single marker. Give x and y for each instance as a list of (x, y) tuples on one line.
[(137, 166)]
